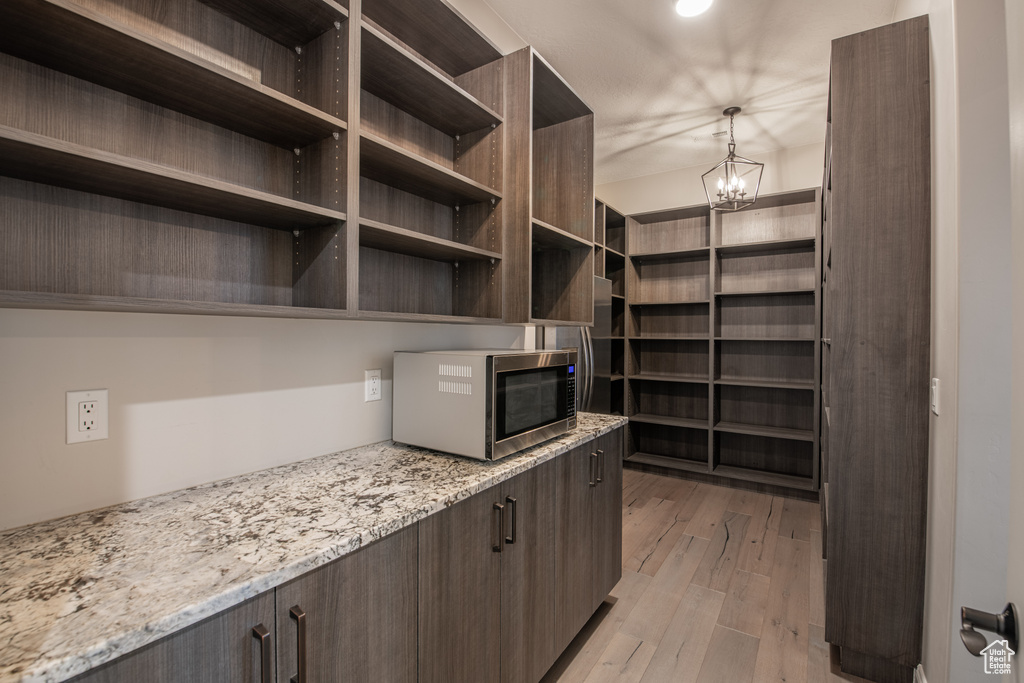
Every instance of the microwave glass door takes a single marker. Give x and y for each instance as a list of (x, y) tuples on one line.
[(529, 399)]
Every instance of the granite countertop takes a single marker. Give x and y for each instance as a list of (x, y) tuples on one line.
[(83, 590)]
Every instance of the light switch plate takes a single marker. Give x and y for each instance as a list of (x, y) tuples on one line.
[(87, 413)]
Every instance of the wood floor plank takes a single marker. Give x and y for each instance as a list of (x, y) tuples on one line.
[(586, 649), (817, 581), (730, 657), (649, 553), (758, 553), (745, 502), (685, 643), (782, 653), (624, 661), (817, 656), (797, 518), (745, 603), (654, 610), (719, 563), (709, 515), (672, 488), (637, 524)]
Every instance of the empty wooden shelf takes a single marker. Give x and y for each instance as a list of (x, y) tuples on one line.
[(401, 241), (289, 22), (69, 37)]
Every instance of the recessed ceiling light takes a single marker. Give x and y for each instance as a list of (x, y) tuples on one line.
[(691, 8)]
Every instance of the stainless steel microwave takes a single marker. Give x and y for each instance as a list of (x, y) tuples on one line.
[(483, 404)]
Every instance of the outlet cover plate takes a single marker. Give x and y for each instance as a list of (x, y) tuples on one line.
[(87, 413), (373, 386)]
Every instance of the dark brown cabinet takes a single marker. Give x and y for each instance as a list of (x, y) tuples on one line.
[(225, 647), (487, 584), (588, 532), (876, 362), (352, 619)]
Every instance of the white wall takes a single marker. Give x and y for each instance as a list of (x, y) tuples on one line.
[(1015, 61), (795, 168), (192, 398), (945, 322)]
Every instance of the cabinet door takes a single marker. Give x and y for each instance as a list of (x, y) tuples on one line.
[(459, 592), (607, 517), (574, 547), (528, 576), (222, 649), (359, 616)]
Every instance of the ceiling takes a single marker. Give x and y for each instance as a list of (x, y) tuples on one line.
[(658, 82)]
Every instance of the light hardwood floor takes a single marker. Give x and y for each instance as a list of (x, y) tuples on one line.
[(718, 586)]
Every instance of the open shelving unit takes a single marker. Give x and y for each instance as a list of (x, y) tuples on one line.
[(610, 263), (723, 360), (182, 161), (431, 122), (549, 215)]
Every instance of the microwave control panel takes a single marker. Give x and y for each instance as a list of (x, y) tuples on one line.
[(571, 412)]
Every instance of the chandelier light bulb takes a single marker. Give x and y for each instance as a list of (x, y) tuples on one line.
[(691, 8)]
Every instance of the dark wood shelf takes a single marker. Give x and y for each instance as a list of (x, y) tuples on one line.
[(613, 252), (677, 255), (766, 383), (677, 337), (668, 462), (565, 323), (396, 75), (131, 304), (436, 31), (554, 100), (62, 35), (688, 423), (289, 22), (767, 246), (426, 318), (548, 236), (389, 164), (41, 159), (665, 377), (762, 430), (763, 339), (761, 477), (619, 297), (669, 303), (768, 292), (402, 241)]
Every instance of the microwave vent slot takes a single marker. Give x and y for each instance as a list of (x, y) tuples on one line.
[(449, 387), (449, 370)]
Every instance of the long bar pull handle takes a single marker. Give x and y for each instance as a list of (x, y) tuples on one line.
[(593, 469), (501, 526), (260, 632), (509, 500), (300, 617), (600, 466)]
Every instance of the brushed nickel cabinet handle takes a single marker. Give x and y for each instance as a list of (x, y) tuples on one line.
[(509, 500), (300, 617), (600, 466), (501, 526), (593, 469), (260, 632)]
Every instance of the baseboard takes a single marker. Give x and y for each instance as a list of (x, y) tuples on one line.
[(919, 674)]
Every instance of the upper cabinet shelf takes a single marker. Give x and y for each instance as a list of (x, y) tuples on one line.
[(767, 246), (388, 163), (396, 75), (554, 100), (289, 22), (68, 37), (397, 240), (549, 237), (41, 159), (435, 31)]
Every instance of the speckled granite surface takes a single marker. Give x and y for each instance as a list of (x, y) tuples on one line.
[(83, 590)]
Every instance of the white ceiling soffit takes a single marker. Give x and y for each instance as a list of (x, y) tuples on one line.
[(658, 83)]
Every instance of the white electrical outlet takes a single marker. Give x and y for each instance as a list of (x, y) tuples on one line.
[(373, 388), (87, 415)]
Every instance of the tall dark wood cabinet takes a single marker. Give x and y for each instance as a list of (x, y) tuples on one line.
[(876, 330)]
